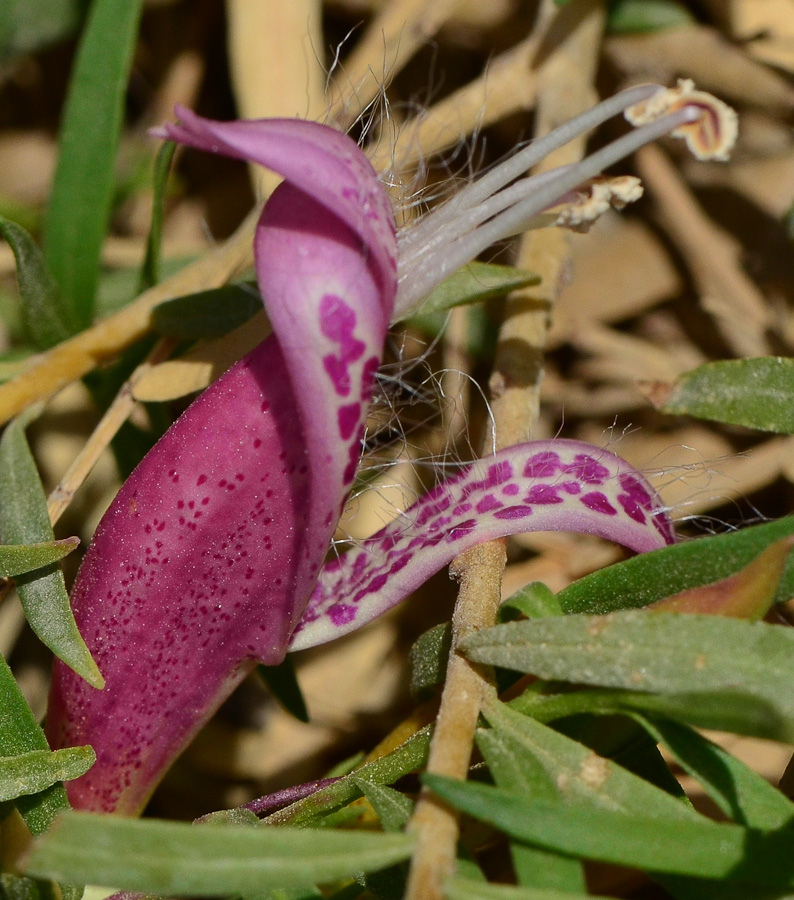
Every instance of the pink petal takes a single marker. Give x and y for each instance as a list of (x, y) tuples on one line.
[(556, 485), (209, 553)]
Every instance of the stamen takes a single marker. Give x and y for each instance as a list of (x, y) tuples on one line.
[(711, 136), (461, 246), (522, 161), (596, 198)]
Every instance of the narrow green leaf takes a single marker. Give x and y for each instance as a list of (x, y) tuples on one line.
[(428, 659), (639, 16), (695, 847), (282, 682), (173, 857), (473, 283), (516, 770), (36, 770), (749, 594), (83, 186), (580, 775), (16, 559), (649, 577), (741, 793), (21, 733), (719, 711), (408, 757), (24, 520), (45, 317), (756, 393), (393, 808), (27, 26), (658, 653), (463, 889), (207, 314), (150, 272), (535, 601)]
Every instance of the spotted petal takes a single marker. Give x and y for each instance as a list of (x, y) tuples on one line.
[(556, 485), (207, 557)]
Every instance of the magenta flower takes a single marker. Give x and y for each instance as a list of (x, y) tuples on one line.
[(211, 557)]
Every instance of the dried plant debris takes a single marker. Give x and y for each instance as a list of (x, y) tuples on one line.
[(614, 365)]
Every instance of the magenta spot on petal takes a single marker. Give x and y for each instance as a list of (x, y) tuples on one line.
[(499, 474), (631, 508), (377, 583), (510, 490), (337, 319), (571, 487), (513, 512), (400, 563), (598, 502), (663, 526), (587, 469), (461, 529), (542, 465), (341, 614), (338, 373), (347, 418), (488, 503), (632, 486), (461, 508), (543, 493)]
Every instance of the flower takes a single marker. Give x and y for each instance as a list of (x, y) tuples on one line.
[(211, 557)]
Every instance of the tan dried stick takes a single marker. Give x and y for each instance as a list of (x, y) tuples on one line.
[(564, 88), (115, 416), (275, 56), (70, 360), (738, 307), (390, 40), (506, 86)]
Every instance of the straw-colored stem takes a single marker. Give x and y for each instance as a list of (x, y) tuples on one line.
[(740, 310), (115, 416), (390, 40), (567, 73), (103, 342)]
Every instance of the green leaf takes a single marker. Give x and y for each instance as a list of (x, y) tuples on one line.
[(18, 559), (36, 770), (695, 847), (535, 601), (652, 576), (46, 319), (428, 659), (756, 393), (473, 283), (463, 889), (282, 682), (749, 594), (638, 16), (150, 272), (719, 711), (207, 314), (684, 655), (24, 520), (408, 757), (392, 808), (82, 193), (173, 857), (741, 793), (21, 733), (580, 776), (516, 770), (27, 26)]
